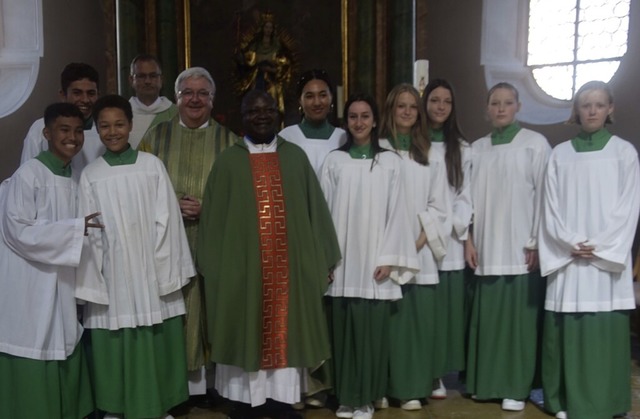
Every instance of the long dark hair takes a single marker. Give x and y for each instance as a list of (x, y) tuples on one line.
[(452, 134), (375, 136), (420, 142)]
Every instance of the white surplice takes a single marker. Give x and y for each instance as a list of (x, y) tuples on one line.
[(368, 206), (506, 191), (132, 271), (427, 195), (593, 198), (462, 210), (40, 248), (315, 148)]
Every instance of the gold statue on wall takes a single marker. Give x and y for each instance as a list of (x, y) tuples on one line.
[(265, 59)]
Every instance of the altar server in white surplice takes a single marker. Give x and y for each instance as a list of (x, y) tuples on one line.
[(507, 173), (364, 188), (315, 134), (452, 301), (591, 204), (414, 318), (131, 274), (43, 369)]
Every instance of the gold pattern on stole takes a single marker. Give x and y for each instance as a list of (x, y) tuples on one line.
[(267, 182)]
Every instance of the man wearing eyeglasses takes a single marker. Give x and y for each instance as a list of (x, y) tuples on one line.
[(188, 145), (149, 108)]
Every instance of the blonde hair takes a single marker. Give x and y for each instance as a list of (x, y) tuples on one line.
[(589, 86), (420, 142)]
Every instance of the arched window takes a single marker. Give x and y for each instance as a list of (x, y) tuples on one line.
[(563, 50), (21, 47), (572, 42)]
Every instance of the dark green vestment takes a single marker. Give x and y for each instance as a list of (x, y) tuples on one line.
[(228, 257)]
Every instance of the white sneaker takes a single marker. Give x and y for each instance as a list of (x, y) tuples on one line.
[(411, 405), (512, 405), (344, 412), (439, 393), (561, 415), (382, 403), (363, 412), (297, 406)]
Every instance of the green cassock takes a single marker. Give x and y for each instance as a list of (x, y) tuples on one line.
[(229, 258)]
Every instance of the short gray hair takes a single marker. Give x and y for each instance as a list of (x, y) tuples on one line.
[(194, 72)]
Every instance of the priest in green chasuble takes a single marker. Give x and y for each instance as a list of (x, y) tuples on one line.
[(188, 145), (266, 248)]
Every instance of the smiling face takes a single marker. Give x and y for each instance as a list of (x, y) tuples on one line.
[(316, 100), (260, 118), (594, 106), (114, 128), (439, 106), (195, 101), (83, 93), (405, 113), (65, 136), (502, 107), (360, 122)]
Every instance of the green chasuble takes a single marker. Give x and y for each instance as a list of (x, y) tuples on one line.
[(188, 154), (229, 259), (166, 115)]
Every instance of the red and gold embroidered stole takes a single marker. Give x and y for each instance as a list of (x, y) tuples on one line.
[(267, 181)]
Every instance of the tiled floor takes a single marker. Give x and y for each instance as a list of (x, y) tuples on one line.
[(456, 406)]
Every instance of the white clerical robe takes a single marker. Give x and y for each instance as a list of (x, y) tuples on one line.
[(369, 210), (35, 142), (506, 191), (429, 206), (40, 248), (592, 198), (144, 116), (462, 211), (316, 149), (132, 271)]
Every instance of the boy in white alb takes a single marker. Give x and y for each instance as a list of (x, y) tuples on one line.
[(131, 274), (43, 371)]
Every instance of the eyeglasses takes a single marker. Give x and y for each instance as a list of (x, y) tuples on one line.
[(145, 76), (190, 94)]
